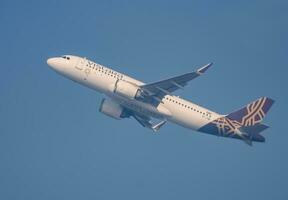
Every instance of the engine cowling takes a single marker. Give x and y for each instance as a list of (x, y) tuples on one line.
[(127, 89), (111, 109)]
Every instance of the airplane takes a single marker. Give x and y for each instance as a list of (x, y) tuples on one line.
[(153, 104)]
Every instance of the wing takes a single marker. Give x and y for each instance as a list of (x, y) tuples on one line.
[(146, 122), (166, 87)]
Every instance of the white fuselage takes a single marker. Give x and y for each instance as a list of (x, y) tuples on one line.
[(103, 79)]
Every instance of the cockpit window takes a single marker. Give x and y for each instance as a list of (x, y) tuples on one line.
[(66, 57)]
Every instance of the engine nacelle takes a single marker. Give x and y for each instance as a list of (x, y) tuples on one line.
[(127, 89), (111, 109)]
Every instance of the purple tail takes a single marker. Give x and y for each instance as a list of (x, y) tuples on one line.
[(242, 124), (253, 113)]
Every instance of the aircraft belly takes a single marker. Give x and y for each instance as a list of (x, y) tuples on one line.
[(137, 106)]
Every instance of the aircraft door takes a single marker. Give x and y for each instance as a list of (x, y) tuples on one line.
[(81, 63)]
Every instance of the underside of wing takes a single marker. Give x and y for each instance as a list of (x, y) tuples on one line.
[(147, 123)]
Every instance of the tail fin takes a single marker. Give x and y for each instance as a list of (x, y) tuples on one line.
[(253, 113), (243, 124)]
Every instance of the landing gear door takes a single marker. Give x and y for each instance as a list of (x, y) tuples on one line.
[(81, 63)]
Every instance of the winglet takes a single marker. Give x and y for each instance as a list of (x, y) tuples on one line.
[(204, 68), (156, 127)]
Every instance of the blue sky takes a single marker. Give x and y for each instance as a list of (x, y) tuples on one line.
[(55, 145)]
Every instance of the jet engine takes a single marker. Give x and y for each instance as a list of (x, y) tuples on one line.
[(127, 89), (111, 109)]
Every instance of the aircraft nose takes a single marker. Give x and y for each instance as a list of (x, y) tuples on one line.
[(51, 62), (55, 64)]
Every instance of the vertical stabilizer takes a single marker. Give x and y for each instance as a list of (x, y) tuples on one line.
[(253, 113), (244, 123)]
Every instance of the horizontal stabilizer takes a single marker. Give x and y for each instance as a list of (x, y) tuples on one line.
[(253, 132)]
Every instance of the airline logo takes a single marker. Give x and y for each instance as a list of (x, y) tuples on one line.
[(250, 115)]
